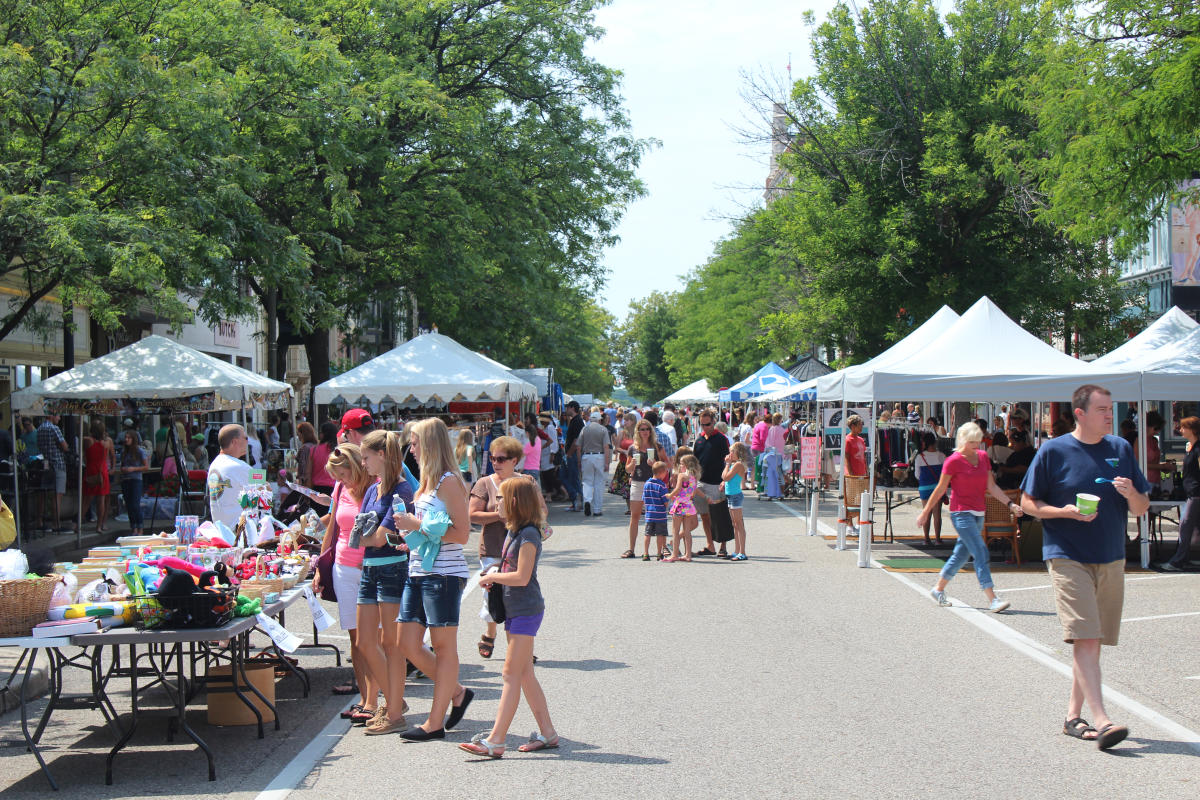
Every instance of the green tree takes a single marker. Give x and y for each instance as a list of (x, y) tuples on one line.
[(719, 335), (895, 206), (1115, 107), (640, 346)]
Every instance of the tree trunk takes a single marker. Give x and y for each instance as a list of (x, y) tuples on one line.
[(271, 307), (316, 347)]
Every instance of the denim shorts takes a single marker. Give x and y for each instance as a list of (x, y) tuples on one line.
[(432, 600), (735, 500), (383, 584)]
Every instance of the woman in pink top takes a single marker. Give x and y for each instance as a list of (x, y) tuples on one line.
[(968, 473), (322, 481), (345, 465), (776, 434)]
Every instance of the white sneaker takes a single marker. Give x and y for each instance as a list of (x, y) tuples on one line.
[(998, 605), (940, 597)]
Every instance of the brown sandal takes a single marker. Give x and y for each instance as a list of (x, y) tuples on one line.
[(487, 646), (627, 554)]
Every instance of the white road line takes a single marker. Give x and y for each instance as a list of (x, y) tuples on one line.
[(1044, 655), (1035, 650), (1192, 678), (304, 762), (1162, 616), (1028, 588)]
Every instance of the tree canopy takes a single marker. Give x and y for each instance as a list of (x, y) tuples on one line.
[(339, 159)]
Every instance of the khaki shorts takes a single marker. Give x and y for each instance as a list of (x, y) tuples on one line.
[(1089, 597), (707, 493)]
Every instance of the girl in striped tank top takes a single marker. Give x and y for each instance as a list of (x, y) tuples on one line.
[(437, 573)]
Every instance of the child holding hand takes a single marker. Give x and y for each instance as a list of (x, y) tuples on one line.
[(683, 509), (654, 496)]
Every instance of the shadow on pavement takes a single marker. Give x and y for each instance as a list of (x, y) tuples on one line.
[(1150, 746), (585, 665)]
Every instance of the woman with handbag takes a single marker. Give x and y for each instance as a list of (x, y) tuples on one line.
[(486, 510), (524, 608), (345, 466)]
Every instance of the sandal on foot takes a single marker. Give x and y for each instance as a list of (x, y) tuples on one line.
[(350, 712), (627, 554), (538, 742), (480, 746), (1111, 735), (646, 557), (362, 716), (1078, 728), (487, 646), (705, 552)]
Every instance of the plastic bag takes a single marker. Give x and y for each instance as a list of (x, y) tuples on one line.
[(13, 565), (64, 592)]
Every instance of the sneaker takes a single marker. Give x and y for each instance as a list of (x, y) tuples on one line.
[(940, 597), (1167, 566), (587, 509), (997, 605)]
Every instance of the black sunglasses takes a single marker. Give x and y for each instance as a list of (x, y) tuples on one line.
[(502, 459)]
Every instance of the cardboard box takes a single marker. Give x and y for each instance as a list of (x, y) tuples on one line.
[(224, 706)]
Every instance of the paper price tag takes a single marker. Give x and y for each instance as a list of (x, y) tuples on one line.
[(321, 618), (285, 639)]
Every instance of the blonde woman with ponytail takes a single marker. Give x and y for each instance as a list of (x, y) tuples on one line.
[(384, 571), (346, 467), (433, 591)]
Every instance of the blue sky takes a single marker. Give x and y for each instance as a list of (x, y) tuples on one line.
[(684, 66)]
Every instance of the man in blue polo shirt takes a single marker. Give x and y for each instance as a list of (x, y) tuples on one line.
[(1085, 553)]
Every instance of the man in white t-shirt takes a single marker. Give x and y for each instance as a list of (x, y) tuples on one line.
[(227, 475)]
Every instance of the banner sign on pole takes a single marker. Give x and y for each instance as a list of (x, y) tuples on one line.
[(810, 457)]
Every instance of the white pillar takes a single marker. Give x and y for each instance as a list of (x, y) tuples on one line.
[(866, 530)]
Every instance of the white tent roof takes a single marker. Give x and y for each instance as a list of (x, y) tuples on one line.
[(829, 387), (1174, 374), (430, 368), (801, 392), (155, 369), (695, 392), (985, 356), (1143, 348)]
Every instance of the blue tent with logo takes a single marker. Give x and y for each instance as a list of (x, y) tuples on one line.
[(771, 377)]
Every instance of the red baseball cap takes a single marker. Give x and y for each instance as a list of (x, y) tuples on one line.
[(355, 419)]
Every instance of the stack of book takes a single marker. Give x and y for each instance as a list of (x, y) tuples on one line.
[(52, 629)]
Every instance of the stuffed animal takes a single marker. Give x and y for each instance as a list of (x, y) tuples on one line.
[(177, 563), (247, 606)]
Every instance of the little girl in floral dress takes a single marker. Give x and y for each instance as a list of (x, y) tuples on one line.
[(683, 509)]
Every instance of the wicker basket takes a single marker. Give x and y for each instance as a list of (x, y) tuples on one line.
[(251, 589), (24, 603), (854, 490)]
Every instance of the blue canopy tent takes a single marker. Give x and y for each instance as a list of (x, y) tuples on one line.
[(771, 377)]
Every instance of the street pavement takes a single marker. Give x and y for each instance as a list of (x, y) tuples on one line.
[(794, 673)]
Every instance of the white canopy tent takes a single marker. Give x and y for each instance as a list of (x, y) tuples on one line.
[(151, 376), (803, 392), (1144, 348), (430, 369), (830, 387), (985, 356), (695, 392), (1173, 373), (155, 372)]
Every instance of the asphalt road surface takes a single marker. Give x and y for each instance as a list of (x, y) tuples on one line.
[(794, 673)]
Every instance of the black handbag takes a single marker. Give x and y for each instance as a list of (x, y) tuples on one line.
[(495, 601)]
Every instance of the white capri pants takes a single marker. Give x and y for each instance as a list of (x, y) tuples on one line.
[(345, 585)]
